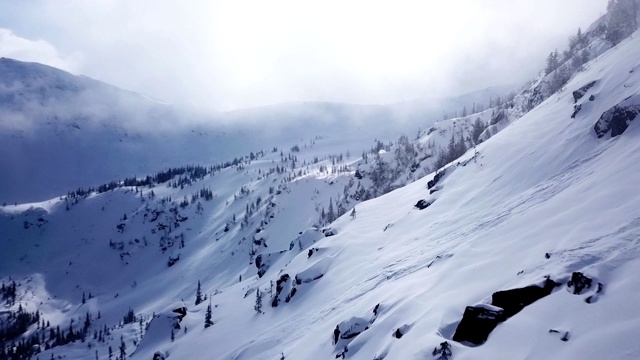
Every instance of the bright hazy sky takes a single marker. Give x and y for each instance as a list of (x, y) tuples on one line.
[(232, 54)]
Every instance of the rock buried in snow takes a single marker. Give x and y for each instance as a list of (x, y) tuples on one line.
[(565, 334), (353, 327), (435, 180), (329, 232), (514, 300), (422, 204), (576, 110), (399, 333), (307, 238), (578, 94), (477, 323), (593, 298), (578, 283), (158, 356), (618, 117)]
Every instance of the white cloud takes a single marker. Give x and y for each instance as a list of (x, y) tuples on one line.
[(40, 51), (243, 53)]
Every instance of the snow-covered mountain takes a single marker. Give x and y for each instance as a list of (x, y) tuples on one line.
[(60, 132), (524, 247)]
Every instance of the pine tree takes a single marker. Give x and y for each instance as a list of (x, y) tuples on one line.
[(623, 19), (331, 216), (258, 306), (123, 349), (207, 317), (476, 130), (552, 62), (198, 294)]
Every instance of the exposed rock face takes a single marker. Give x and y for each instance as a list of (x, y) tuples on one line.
[(576, 110), (435, 180), (514, 300), (181, 312), (578, 94), (499, 116), (422, 204), (579, 282), (618, 117), (477, 323)]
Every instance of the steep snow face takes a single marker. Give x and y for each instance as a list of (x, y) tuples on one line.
[(545, 197)]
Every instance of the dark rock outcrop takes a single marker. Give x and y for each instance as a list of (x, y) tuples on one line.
[(514, 300), (353, 327), (436, 178), (497, 117), (576, 110), (578, 282), (578, 94), (477, 323), (422, 204), (329, 232), (181, 313), (618, 117)]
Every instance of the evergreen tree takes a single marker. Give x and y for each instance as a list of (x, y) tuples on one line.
[(623, 19), (207, 318), (123, 349), (331, 216), (476, 130), (552, 62), (198, 294), (258, 306)]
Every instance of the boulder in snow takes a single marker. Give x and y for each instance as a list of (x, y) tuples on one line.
[(578, 282), (423, 204), (618, 117), (477, 323), (578, 94), (353, 327), (514, 300)]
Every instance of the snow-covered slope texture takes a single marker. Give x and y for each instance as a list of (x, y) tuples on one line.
[(545, 202)]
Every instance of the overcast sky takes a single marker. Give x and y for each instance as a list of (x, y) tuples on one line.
[(235, 54)]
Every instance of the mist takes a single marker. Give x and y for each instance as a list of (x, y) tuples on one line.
[(231, 55)]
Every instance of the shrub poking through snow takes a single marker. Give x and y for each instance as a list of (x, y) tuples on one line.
[(578, 283), (443, 352)]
